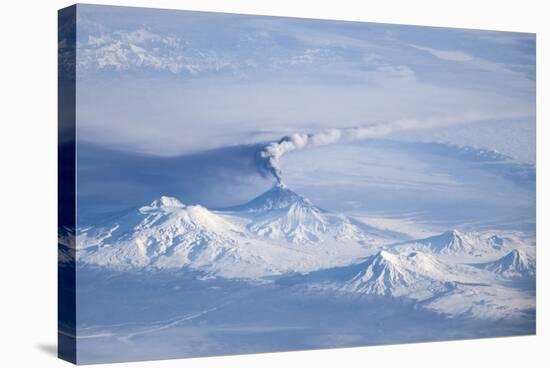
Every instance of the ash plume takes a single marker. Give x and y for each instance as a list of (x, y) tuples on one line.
[(272, 153)]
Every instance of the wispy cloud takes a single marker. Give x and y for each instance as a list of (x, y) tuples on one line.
[(191, 81), (450, 55)]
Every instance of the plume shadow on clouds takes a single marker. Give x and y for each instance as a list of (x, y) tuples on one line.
[(110, 181)]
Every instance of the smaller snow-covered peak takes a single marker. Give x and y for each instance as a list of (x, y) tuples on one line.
[(453, 242), (384, 273), (381, 275), (451, 235), (200, 217), (454, 233), (163, 202), (416, 274), (514, 264), (385, 255), (424, 262), (516, 255)]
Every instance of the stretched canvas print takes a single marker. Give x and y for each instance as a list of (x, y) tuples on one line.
[(235, 184)]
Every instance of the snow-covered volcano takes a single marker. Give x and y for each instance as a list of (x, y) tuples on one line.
[(281, 233), (167, 234), (263, 237), (416, 275), (448, 288), (516, 264), (281, 213), (166, 226), (278, 197)]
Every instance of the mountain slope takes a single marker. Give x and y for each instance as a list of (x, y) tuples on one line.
[(165, 225), (258, 240), (297, 223), (278, 197), (449, 289), (281, 214), (516, 264), (283, 234), (168, 234), (452, 242), (415, 275)]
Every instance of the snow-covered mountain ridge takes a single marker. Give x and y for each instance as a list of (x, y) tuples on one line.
[(454, 242), (451, 289), (281, 233), (277, 232)]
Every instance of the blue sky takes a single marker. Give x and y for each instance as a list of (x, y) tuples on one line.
[(173, 82)]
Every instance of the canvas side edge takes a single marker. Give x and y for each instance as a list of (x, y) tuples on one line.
[(66, 184)]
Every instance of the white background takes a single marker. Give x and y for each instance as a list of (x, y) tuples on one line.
[(28, 183)]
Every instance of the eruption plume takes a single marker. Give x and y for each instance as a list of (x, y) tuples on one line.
[(272, 153)]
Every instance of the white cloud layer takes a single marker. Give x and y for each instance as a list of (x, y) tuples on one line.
[(170, 84)]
